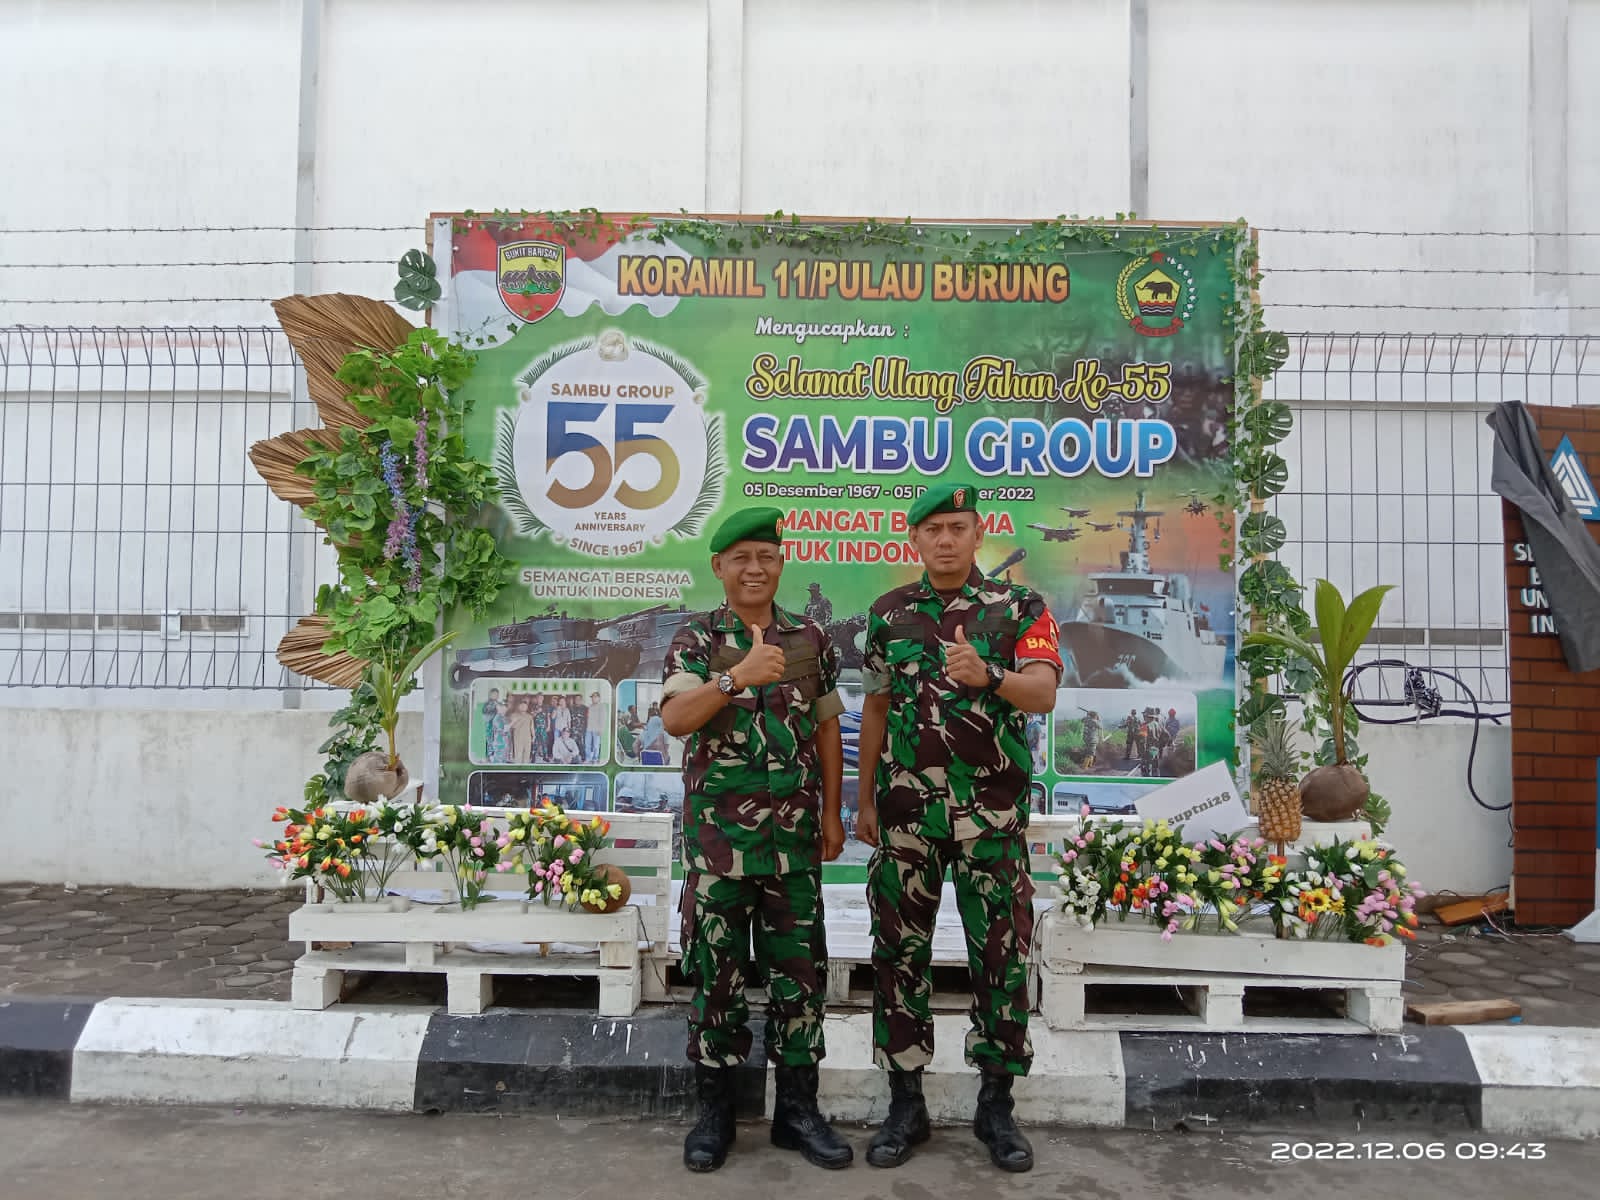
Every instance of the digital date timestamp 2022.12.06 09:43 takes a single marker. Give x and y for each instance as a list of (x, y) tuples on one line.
[(1407, 1151)]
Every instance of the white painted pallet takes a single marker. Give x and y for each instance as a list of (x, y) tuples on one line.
[(469, 975), (1214, 1003), (1066, 947), (1213, 974), (401, 935)]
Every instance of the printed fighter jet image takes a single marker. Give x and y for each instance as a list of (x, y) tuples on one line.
[(1099, 528), (1052, 534), (1196, 506), (1075, 512)]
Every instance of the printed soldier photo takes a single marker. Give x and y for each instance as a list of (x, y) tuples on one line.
[(955, 663), (754, 688)]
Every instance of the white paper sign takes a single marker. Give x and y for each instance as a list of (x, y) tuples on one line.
[(1205, 804)]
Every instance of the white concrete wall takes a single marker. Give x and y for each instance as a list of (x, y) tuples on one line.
[(161, 113), (104, 795), (1351, 114), (1447, 841)]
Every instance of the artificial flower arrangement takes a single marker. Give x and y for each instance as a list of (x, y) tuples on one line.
[(559, 858), (355, 852), (1354, 891), (461, 837), (350, 852)]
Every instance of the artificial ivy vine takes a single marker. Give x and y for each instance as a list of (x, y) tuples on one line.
[(1269, 596)]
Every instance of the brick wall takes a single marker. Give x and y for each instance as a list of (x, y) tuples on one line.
[(1555, 718)]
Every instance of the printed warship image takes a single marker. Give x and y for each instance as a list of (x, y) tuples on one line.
[(1134, 625), (555, 644)]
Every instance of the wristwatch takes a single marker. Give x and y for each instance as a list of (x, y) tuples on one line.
[(997, 676), (727, 686)]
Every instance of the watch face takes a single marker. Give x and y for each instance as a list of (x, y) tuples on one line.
[(997, 674), (725, 683)]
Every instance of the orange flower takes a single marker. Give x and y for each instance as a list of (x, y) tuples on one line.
[(1119, 893), (1405, 933), (355, 839), (1375, 941), (344, 870)]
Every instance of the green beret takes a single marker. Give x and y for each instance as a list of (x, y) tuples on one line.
[(749, 525), (943, 498)]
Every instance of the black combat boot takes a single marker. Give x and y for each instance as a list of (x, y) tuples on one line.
[(798, 1125), (906, 1125), (706, 1146), (1008, 1149)]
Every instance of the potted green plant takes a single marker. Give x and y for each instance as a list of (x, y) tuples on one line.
[(1337, 791), (379, 774)]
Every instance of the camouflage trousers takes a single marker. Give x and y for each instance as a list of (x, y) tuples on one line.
[(994, 894), (782, 916)]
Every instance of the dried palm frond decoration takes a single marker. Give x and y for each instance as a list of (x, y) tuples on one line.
[(276, 458), (301, 651), (323, 330)]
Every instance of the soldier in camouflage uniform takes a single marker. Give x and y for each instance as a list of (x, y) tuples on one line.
[(953, 665), (818, 607), (754, 688)]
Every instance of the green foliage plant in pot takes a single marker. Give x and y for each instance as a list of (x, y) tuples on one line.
[(379, 774), (1336, 791), (399, 498)]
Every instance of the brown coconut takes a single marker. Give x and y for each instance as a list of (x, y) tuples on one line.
[(611, 873), (370, 779), (1336, 792)]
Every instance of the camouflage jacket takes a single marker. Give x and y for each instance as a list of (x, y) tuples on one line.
[(751, 776), (955, 760)]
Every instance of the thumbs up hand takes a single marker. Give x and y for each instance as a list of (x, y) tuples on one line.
[(963, 663), (764, 664)]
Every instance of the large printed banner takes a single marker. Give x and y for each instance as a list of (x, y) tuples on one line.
[(638, 392)]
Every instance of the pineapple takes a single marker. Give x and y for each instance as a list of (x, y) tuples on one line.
[(1276, 779)]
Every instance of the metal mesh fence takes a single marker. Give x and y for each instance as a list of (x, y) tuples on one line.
[(139, 549), (1389, 483)]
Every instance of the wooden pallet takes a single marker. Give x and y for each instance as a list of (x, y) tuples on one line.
[(1125, 976), (404, 936), (469, 975), (1126, 998), (1065, 947)]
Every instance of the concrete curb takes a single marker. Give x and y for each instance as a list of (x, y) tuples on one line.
[(1524, 1081)]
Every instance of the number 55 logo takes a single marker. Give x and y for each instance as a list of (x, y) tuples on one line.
[(610, 452), (606, 465)]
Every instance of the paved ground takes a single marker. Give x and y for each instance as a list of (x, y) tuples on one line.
[(96, 943), (52, 1151)]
